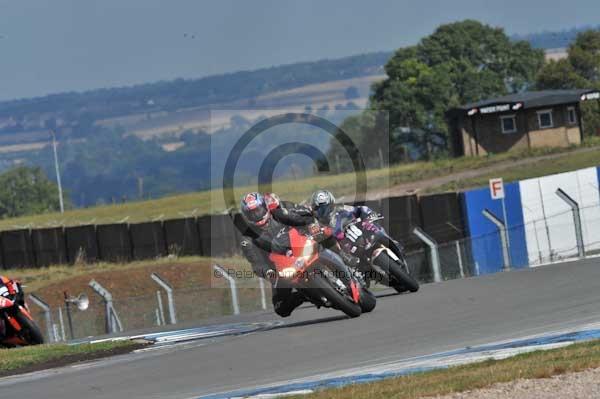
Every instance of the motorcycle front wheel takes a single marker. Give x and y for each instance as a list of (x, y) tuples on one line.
[(30, 331), (337, 300), (368, 301)]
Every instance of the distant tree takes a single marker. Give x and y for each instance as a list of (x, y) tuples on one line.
[(584, 55), (559, 74), (581, 69), (459, 63), (26, 191)]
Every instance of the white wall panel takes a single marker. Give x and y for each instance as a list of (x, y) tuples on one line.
[(548, 219)]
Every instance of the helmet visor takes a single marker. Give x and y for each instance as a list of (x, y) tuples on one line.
[(323, 211)]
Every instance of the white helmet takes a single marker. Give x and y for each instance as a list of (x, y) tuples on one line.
[(322, 204)]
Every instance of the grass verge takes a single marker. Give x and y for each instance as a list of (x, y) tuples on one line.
[(198, 293), (536, 169), (297, 190), (41, 357), (539, 364)]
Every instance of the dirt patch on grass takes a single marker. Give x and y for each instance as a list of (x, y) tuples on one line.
[(73, 359), (197, 294)]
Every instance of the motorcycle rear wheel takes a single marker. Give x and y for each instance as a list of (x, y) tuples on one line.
[(402, 281)]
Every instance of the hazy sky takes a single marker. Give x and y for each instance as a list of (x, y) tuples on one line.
[(49, 46)]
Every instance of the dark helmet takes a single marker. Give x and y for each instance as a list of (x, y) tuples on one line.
[(254, 209), (322, 204)]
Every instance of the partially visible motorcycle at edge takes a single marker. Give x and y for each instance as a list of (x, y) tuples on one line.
[(17, 327)]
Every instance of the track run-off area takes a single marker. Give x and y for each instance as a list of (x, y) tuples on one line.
[(449, 317)]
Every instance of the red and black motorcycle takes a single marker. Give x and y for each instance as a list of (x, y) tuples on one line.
[(17, 327), (321, 275)]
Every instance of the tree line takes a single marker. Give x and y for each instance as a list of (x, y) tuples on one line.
[(460, 63)]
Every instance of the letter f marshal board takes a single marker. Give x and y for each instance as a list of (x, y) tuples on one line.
[(497, 188)]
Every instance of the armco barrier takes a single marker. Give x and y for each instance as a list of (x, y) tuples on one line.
[(81, 241), (216, 235), (182, 236), (114, 242), (49, 246), (402, 217), (148, 240), (204, 230), (223, 238), (17, 249)]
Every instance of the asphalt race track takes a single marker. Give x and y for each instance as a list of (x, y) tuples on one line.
[(445, 316)]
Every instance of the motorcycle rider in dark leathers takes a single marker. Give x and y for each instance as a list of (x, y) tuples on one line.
[(267, 220), (325, 210)]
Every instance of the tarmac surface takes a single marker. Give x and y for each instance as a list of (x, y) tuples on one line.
[(441, 317)]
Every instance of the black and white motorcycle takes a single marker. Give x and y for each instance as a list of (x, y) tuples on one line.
[(381, 257)]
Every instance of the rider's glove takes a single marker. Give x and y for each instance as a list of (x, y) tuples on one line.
[(271, 274), (272, 201), (369, 226), (350, 260)]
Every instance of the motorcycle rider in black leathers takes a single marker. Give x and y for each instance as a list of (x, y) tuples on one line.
[(325, 210), (267, 220)]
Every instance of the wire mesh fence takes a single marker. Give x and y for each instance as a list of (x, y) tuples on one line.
[(140, 313), (548, 240)]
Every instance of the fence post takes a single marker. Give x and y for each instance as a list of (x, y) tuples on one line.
[(576, 220), (503, 236), (433, 248), (232, 286), (160, 310), (47, 317), (62, 324), (113, 323), (263, 299), (163, 283), (460, 263)]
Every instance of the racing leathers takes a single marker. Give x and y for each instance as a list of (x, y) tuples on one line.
[(258, 243)]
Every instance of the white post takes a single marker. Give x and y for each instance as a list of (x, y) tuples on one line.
[(161, 310), (48, 318), (55, 332), (435, 256), (503, 236), (263, 299), (460, 263), (163, 283), (504, 215), (62, 324), (60, 194), (113, 323), (232, 286), (576, 221)]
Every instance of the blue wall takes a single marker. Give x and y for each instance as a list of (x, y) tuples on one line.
[(486, 246)]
